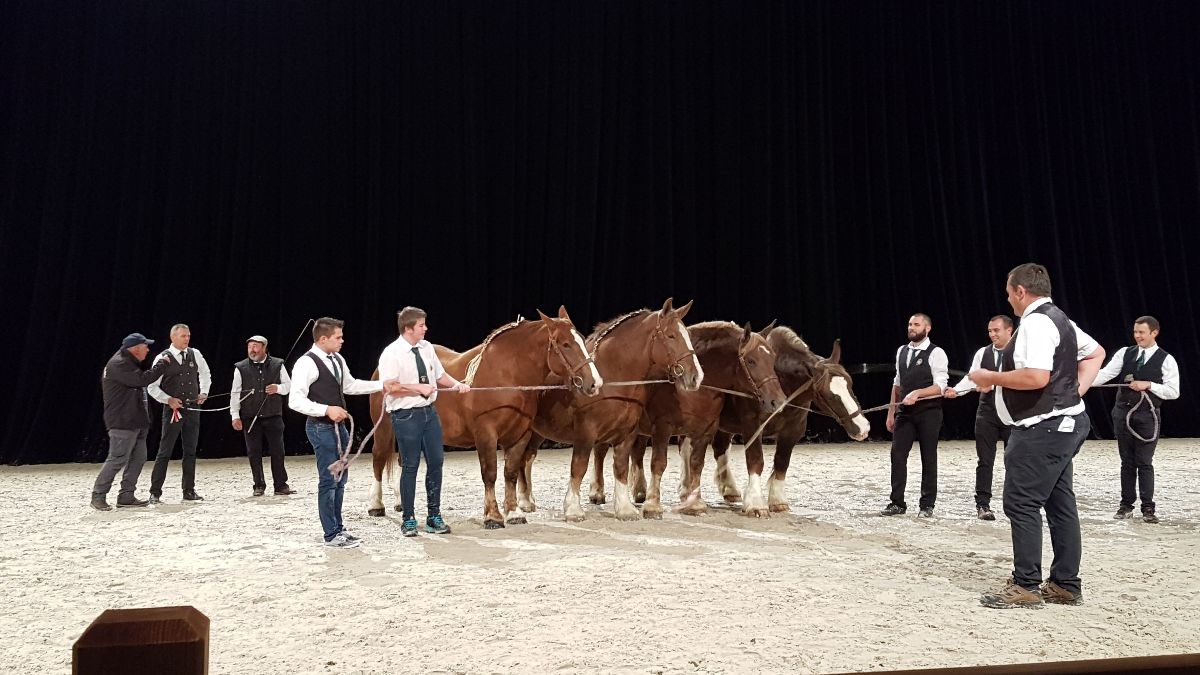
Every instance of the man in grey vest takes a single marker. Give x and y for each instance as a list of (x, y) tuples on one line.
[(127, 418), (1047, 367), (260, 415), (1151, 376), (184, 385), (988, 428)]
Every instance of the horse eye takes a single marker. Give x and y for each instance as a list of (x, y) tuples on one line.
[(751, 362)]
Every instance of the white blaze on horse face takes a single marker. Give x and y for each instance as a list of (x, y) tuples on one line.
[(841, 389), (687, 341), (591, 366)]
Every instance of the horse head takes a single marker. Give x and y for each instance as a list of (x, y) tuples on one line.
[(566, 355), (834, 394), (758, 366), (671, 347)]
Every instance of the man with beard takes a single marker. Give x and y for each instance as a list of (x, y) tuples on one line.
[(260, 416), (921, 373), (988, 427)]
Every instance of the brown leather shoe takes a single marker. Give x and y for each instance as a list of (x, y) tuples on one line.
[(1011, 596), (1053, 593), (285, 491)]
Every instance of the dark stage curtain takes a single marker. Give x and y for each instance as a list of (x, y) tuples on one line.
[(244, 166)]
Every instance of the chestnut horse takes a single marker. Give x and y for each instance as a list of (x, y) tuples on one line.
[(827, 387), (637, 346), (735, 359), (522, 353)]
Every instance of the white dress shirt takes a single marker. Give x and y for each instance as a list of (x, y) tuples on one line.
[(1167, 391), (965, 385), (939, 363), (1036, 339), (305, 372), (155, 388), (397, 362), (235, 395)]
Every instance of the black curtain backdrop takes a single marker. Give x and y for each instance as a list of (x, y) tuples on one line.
[(244, 166)]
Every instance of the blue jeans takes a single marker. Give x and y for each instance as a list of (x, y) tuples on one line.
[(329, 491), (419, 430)]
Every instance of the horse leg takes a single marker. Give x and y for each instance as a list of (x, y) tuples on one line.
[(383, 452), (685, 468), (572, 511), (753, 503), (637, 469), (514, 467), (525, 479), (652, 508), (596, 495), (621, 497), (723, 477), (485, 449), (776, 490), (693, 504)]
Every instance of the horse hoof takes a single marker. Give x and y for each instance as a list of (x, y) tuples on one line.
[(490, 524), (596, 499), (757, 513), (629, 516), (780, 508), (517, 520), (574, 517), (734, 498), (693, 510), (652, 513), (397, 508), (529, 507), (639, 499), (376, 512)]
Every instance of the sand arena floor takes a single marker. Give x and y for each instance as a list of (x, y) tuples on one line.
[(828, 587)]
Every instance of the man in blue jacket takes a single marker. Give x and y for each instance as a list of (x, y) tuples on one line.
[(127, 418)]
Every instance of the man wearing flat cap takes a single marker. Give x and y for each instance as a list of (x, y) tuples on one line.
[(127, 418), (264, 381)]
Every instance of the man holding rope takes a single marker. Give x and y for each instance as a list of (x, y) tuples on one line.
[(184, 384), (1047, 367), (260, 417), (1151, 376), (411, 362), (320, 381)]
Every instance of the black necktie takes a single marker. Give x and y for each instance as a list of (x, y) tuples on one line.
[(422, 374), (337, 371), (1141, 358), (912, 356), (999, 361)]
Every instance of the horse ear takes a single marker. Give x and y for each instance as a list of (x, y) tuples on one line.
[(746, 333), (546, 320), (667, 305), (682, 311), (767, 331), (562, 313), (836, 355)]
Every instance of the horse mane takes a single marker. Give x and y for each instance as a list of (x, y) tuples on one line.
[(711, 335), (792, 353), (473, 366), (603, 329)]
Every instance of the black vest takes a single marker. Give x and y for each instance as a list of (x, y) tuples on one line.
[(1063, 389), (326, 390), (182, 379), (987, 400), (257, 376), (916, 376), (1151, 371)]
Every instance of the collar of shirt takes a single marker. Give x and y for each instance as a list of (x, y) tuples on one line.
[(1034, 305), (177, 353), (919, 346), (1147, 352)]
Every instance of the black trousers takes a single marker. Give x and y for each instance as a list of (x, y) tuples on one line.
[(268, 430), (989, 430), (924, 427), (1137, 457), (1039, 475), (187, 428)]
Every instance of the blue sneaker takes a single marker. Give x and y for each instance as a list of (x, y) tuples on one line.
[(409, 528), (435, 525)]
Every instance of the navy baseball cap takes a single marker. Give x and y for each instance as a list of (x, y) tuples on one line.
[(135, 339)]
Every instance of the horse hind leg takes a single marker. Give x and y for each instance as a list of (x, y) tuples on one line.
[(777, 486), (623, 505), (383, 457), (485, 448), (637, 469), (572, 511), (753, 504), (514, 468), (596, 494), (724, 477), (652, 507), (525, 480)]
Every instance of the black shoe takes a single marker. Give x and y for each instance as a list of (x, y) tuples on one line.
[(893, 510), (1123, 512), (925, 512), (134, 501), (260, 491), (285, 490), (191, 496), (1149, 517), (155, 499), (985, 513), (100, 504)]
